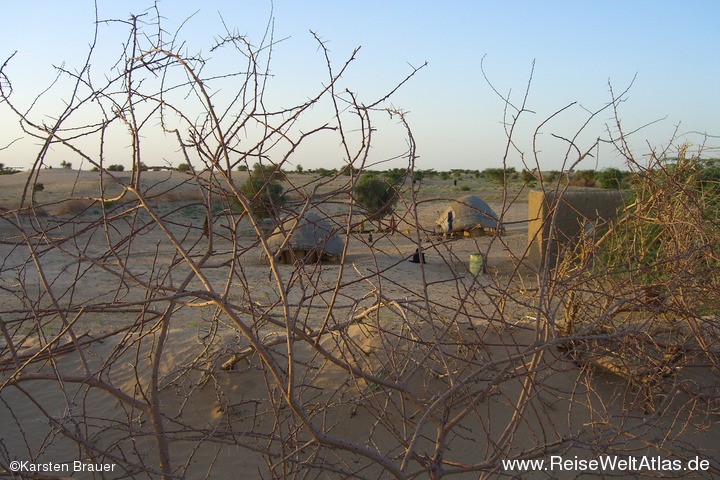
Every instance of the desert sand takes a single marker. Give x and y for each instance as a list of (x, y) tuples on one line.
[(372, 367)]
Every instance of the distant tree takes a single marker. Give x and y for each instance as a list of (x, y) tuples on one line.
[(527, 176), (7, 170), (242, 168), (116, 168), (584, 178), (65, 164), (396, 175), (709, 175), (264, 191), (429, 173), (613, 178), (299, 168), (324, 172), (183, 167), (377, 195), (350, 170), (498, 175), (551, 175)]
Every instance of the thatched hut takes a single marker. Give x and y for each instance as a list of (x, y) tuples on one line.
[(306, 239), (470, 216)]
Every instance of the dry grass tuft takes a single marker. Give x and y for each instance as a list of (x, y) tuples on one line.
[(72, 206)]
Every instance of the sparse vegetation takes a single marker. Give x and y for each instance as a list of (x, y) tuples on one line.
[(377, 194), (73, 206), (584, 178), (527, 176), (164, 335), (499, 175), (613, 179), (7, 170), (325, 172), (264, 191), (396, 176)]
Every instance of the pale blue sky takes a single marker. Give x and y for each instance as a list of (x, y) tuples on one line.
[(578, 47)]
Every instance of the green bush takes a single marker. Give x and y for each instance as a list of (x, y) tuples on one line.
[(612, 178), (348, 170), (421, 174), (264, 191), (377, 195), (324, 172), (498, 175), (183, 167), (527, 176), (584, 178), (396, 176), (667, 233), (116, 168)]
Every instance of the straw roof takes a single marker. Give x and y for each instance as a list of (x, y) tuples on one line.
[(310, 232), (468, 213)]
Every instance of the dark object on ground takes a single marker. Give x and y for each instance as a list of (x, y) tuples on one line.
[(418, 257)]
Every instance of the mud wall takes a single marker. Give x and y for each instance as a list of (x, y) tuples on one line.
[(551, 233)]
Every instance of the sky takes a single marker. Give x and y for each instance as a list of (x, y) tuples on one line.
[(576, 51)]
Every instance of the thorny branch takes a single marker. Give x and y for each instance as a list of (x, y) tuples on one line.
[(171, 332)]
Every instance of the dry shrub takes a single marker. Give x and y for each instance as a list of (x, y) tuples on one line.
[(72, 206), (209, 361), (648, 285)]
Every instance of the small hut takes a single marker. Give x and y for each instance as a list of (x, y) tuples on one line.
[(469, 216), (307, 239)]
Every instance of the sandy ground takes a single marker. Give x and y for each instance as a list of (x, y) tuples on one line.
[(220, 423)]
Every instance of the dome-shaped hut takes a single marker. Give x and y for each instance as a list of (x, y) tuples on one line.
[(307, 239), (469, 215)]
